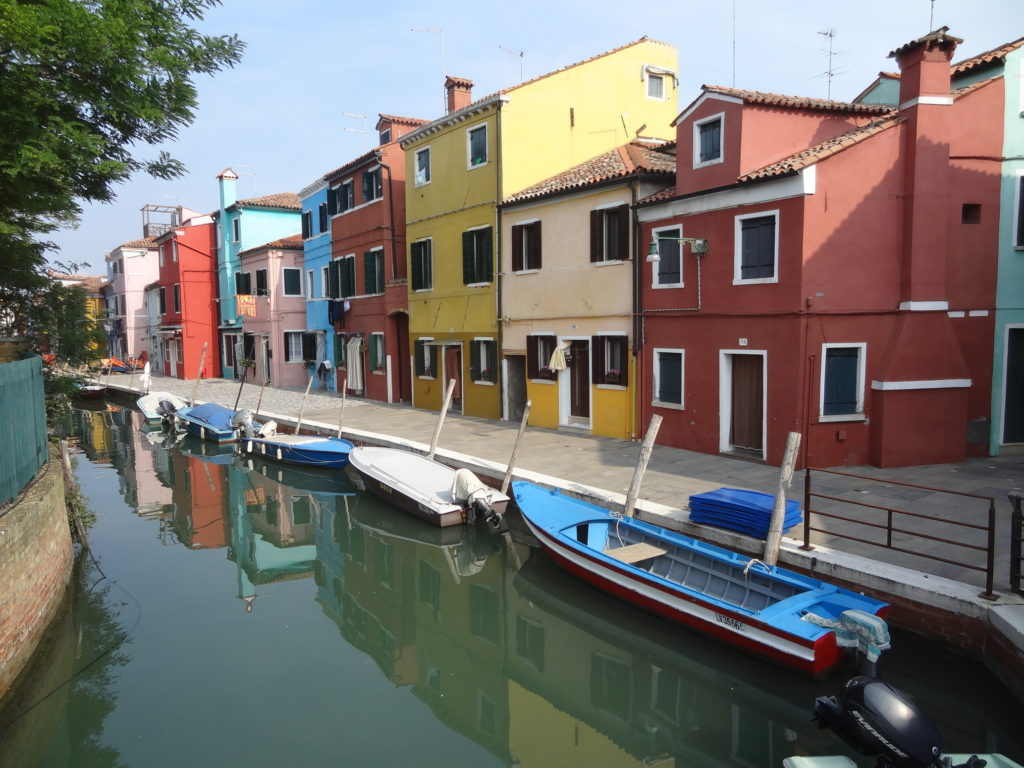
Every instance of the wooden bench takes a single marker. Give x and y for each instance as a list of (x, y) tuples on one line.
[(634, 553)]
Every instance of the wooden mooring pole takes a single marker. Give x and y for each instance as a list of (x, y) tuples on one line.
[(199, 375), (774, 540), (344, 391), (641, 465), (440, 419), (515, 448), (302, 405)]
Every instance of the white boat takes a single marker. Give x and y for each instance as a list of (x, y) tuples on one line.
[(151, 409)]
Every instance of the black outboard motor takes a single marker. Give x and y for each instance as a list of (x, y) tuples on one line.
[(876, 719), (480, 510), (166, 409)]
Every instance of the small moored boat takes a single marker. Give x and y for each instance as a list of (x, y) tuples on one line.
[(210, 421), (797, 621), (305, 450), (427, 488), (153, 409)]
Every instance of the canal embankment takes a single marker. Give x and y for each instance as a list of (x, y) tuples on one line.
[(947, 610)]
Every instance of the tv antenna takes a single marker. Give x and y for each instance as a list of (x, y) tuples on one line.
[(247, 170), (931, 17), (520, 54), (356, 116), (830, 73)]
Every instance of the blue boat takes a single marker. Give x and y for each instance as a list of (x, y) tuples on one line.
[(797, 621), (304, 450), (210, 421)]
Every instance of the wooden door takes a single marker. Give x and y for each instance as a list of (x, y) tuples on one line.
[(453, 370), (746, 431), (579, 380)]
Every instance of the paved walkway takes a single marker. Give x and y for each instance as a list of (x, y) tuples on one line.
[(673, 474)]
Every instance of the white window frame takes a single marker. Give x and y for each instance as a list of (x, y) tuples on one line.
[(862, 355), (174, 251), (469, 146), (678, 229), (425, 348), (738, 248), (284, 282), (310, 285), (288, 336), (605, 257), (653, 77), (377, 250), (416, 167), (493, 275), (512, 259), (697, 162), (325, 276), (376, 169), (480, 340), (656, 378), (236, 229)]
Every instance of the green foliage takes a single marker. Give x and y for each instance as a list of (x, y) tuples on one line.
[(83, 84)]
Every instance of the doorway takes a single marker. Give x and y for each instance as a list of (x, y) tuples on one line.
[(742, 403), (1013, 386), (574, 385), (452, 366), (265, 368)]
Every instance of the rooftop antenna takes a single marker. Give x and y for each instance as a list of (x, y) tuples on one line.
[(520, 54), (733, 43), (247, 170), (440, 33), (830, 73), (356, 116), (931, 17)]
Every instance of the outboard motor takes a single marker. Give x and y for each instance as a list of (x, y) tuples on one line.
[(467, 489), (242, 421), (167, 410), (878, 720)]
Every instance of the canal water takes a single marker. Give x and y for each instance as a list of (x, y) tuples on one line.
[(263, 616)]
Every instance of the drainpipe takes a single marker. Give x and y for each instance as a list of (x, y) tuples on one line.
[(391, 217), (499, 283), (638, 273)]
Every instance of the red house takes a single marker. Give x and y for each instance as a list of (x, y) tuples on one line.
[(847, 284), (188, 289), (367, 274)]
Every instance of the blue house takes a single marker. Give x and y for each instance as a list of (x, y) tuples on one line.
[(316, 234), (241, 225)]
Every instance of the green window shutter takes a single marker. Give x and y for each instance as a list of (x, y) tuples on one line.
[(416, 265), (346, 277), (373, 352), (333, 279), (474, 361), (332, 200), (369, 273), (486, 257), (468, 270)]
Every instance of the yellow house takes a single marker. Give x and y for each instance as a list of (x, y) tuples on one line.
[(568, 270), (461, 166)]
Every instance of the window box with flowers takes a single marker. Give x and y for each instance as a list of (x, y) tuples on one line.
[(612, 376)]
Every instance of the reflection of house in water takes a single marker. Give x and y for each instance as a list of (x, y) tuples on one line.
[(200, 494), (426, 604), (151, 472), (642, 688), (97, 435)]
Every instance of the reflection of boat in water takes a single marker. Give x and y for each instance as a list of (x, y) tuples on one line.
[(204, 450), (328, 482), (664, 696)]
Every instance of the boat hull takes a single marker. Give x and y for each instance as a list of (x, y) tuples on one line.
[(814, 653), (149, 403), (209, 421), (327, 453)]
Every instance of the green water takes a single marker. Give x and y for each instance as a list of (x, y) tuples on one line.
[(232, 616)]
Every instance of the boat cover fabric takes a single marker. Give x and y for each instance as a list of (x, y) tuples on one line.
[(868, 633), (467, 487), (216, 416), (748, 512)]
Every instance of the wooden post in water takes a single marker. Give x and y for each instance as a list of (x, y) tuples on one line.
[(302, 405), (641, 465), (344, 391), (199, 375), (259, 402), (440, 419), (71, 484), (515, 448), (771, 544)]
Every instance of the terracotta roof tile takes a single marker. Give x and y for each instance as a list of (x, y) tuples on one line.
[(403, 120), (146, 242), (796, 102), (938, 37), (621, 162), (280, 200), (988, 57), (291, 242), (665, 194)]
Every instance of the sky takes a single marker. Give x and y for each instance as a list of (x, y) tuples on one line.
[(316, 74)]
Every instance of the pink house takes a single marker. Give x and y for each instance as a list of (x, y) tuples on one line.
[(848, 280), (272, 306), (131, 267)]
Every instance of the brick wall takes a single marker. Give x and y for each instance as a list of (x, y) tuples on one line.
[(35, 565)]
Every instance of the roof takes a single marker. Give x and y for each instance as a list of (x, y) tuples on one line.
[(795, 102), (354, 163), (988, 57), (402, 120), (280, 200), (291, 242), (938, 37), (92, 283), (145, 243), (619, 163)]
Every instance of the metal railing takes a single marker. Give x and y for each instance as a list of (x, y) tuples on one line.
[(916, 525), (1016, 532)]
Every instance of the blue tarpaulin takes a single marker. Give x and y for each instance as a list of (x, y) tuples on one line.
[(748, 512)]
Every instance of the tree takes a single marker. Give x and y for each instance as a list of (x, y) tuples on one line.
[(83, 84)]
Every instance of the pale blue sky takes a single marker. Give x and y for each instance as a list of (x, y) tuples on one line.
[(279, 117)]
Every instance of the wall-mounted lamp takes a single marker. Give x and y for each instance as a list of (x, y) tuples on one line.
[(698, 246)]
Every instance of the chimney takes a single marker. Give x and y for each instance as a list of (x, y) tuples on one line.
[(925, 102), (228, 188), (460, 93)]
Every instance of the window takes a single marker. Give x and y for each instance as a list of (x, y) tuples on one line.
[(609, 234), (243, 283), (299, 346), (611, 686), (163, 300), (174, 250), (668, 378), (372, 188), (539, 348), (429, 588), (309, 283), (161, 253), (376, 351), (668, 272), (422, 166), (756, 246), (292, 281), (970, 213), (426, 357), (325, 279), (341, 198), (373, 271), (656, 87), (302, 513), (484, 613), (1018, 224), (526, 246), (476, 146), (177, 297), (422, 265), (530, 642), (341, 279), (476, 256), (384, 135), (842, 381), (707, 141), (483, 361), (236, 228), (307, 224), (322, 215), (610, 359), (262, 287)]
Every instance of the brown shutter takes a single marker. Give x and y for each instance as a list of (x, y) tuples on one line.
[(597, 359), (518, 262), (531, 357), (533, 252), (622, 232), (596, 235)]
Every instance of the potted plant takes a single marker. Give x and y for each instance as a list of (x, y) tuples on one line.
[(612, 376)]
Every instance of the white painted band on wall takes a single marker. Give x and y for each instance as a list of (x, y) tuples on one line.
[(924, 306), (941, 101), (924, 384)]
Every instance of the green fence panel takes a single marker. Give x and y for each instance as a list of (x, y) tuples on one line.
[(23, 448)]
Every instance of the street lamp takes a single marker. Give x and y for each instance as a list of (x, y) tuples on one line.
[(698, 246)]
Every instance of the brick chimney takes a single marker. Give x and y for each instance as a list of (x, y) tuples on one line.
[(460, 93), (925, 103)]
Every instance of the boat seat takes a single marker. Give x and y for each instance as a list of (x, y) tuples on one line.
[(634, 553)]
